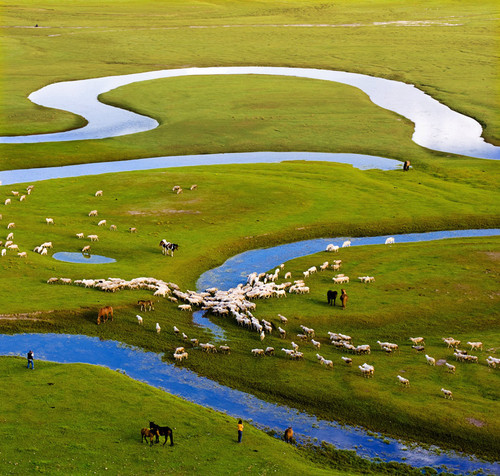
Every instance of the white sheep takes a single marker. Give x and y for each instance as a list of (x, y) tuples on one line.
[(49, 221), (258, 352), (22, 198), (316, 344), (98, 193), (269, 351), (102, 223), (140, 320), (80, 235), (283, 319), (4, 252), (22, 254), (262, 336), (7, 201), (347, 360), (112, 228), (179, 350), (333, 248), (417, 340), (430, 360), (326, 363), (473, 345), (282, 332), (93, 237), (185, 307), (288, 275), (11, 225), (193, 187), (176, 331), (450, 368), (389, 241), (86, 249), (10, 236), (404, 381), (132, 229), (447, 393), (93, 213), (158, 328), (346, 244)]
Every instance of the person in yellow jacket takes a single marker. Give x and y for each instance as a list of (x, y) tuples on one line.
[(240, 430)]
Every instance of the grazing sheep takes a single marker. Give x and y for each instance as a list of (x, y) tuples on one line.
[(185, 307), (4, 252), (390, 241), (11, 225), (283, 319), (430, 360), (288, 352), (367, 370), (417, 340), (132, 230), (176, 331), (194, 342), (451, 342), (450, 368), (473, 345), (158, 328), (225, 349), (288, 275), (333, 248), (347, 360), (140, 320), (346, 244), (179, 350), (418, 348), (269, 351), (404, 381), (112, 228), (185, 338), (294, 346), (102, 223), (52, 280), (193, 187), (447, 393), (22, 198), (10, 236), (93, 237), (98, 193), (14, 193), (7, 201), (93, 213), (258, 352), (262, 336), (326, 363), (79, 235), (86, 249), (22, 254), (282, 332)]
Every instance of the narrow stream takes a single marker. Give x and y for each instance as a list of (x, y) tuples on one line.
[(149, 368)]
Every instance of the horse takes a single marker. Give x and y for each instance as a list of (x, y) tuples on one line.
[(168, 248), (162, 431), (331, 296), (343, 298), (104, 313), (289, 435), (148, 433), (146, 304)]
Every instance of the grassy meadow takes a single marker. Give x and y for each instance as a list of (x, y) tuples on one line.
[(446, 48)]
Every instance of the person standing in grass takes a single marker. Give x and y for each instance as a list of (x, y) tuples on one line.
[(240, 430), (343, 299), (31, 358)]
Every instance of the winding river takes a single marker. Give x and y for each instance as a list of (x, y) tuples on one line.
[(437, 126)]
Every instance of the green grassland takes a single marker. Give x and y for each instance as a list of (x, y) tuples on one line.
[(433, 289)]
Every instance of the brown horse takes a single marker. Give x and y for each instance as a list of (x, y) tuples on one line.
[(343, 298), (104, 313), (146, 304), (289, 435), (148, 433)]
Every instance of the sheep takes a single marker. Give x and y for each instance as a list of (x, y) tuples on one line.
[(185, 307), (430, 360), (4, 252), (7, 201), (282, 332), (14, 193), (306, 274), (185, 338), (22, 254), (225, 349), (417, 340), (79, 235), (447, 394), (333, 248), (179, 350), (473, 345), (13, 247), (140, 320), (262, 336), (283, 319), (132, 230), (43, 252), (8, 243), (347, 360), (29, 188), (112, 228), (93, 237), (93, 213), (180, 357), (324, 266), (340, 279), (47, 244), (102, 223), (316, 344), (390, 241), (269, 351), (98, 193), (366, 279), (404, 381), (258, 352), (294, 346), (302, 336), (193, 187), (158, 328), (10, 236), (451, 342), (175, 188), (22, 198), (11, 225), (346, 244), (52, 280), (326, 363), (176, 331), (450, 368), (86, 249), (367, 370), (418, 348), (194, 342)]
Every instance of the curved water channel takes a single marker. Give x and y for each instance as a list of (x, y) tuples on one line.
[(149, 368), (436, 126)]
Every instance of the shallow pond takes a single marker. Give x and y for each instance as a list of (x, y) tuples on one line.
[(80, 258), (149, 368), (436, 125)]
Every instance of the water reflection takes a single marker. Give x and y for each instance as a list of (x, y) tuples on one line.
[(436, 125), (149, 368), (81, 258)]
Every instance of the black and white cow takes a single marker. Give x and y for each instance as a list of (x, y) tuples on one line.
[(168, 248)]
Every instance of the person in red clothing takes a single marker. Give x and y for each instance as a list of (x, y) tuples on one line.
[(240, 430)]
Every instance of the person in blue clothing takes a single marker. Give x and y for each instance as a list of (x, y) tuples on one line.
[(31, 358)]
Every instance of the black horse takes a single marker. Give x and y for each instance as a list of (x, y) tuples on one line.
[(162, 431), (331, 296)]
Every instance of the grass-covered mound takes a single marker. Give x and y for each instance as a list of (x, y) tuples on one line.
[(81, 419)]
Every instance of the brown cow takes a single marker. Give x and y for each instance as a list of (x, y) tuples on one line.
[(289, 435), (104, 313)]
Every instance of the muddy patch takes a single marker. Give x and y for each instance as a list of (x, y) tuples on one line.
[(475, 422), (25, 316), (165, 211)]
